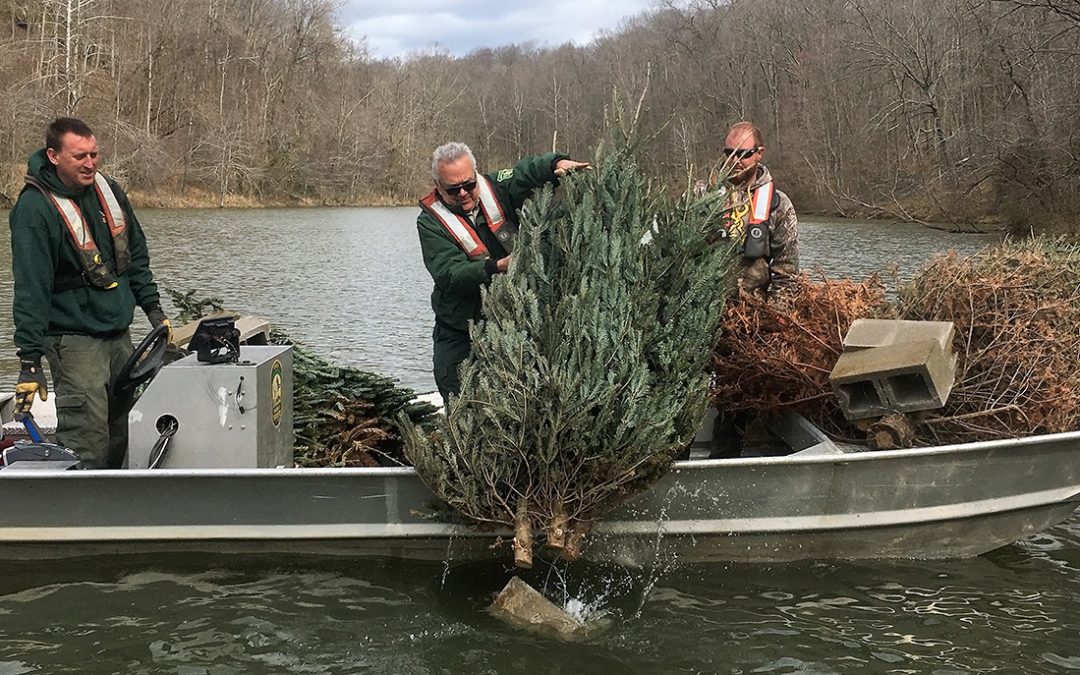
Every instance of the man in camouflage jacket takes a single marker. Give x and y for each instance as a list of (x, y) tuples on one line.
[(760, 219)]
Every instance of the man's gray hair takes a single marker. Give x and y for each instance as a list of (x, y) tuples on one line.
[(450, 152)]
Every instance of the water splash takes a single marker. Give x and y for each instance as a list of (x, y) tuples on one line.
[(663, 563), (448, 559)]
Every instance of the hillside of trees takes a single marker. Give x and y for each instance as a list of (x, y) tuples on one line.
[(954, 111)]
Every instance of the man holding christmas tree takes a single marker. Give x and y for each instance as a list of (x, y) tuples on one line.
[(467, 225), (758, 215)]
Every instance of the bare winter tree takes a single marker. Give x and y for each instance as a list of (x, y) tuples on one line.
[(951, 111)]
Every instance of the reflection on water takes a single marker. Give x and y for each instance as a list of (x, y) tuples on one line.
[(1004, 612), (349, 282)]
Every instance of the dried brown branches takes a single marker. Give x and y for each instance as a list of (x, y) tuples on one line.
[(1017, 313), (777, 355), (349, 433), (1016, 308)]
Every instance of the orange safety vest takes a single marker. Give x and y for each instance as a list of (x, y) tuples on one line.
[(746, 221), (761, 203), (461, 230), (96, 271)]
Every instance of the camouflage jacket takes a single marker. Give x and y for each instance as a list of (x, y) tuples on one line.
[(771, 273)]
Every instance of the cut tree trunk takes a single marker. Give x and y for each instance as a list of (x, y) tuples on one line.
[(576, 541), (557, 527), (891, 432), (523, 540)]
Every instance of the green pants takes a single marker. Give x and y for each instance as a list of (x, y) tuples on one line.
[(91, 418), (450, 349)]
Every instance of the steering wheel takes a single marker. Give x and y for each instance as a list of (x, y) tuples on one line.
[(145, 361)]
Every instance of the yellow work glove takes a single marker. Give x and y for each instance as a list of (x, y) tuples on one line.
[(31, 382)]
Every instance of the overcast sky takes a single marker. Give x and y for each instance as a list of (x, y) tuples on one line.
[(396, 28)]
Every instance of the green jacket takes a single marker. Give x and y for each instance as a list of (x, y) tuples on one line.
[(458, 280), (41, 249)]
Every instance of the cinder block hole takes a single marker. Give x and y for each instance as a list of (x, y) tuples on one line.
[(861, 396), (909, 388)]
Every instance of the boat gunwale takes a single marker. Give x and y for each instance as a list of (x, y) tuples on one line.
[(408, 471)]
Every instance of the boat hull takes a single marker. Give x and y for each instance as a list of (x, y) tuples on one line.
[(954, 501)]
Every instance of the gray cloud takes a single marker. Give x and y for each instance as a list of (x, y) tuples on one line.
[(459, 26)]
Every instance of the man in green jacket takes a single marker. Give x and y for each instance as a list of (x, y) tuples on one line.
[(467, 225), (81, 266)]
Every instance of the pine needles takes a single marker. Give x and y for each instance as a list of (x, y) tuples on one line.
[(778, 356), (589, 372), (346, 417)]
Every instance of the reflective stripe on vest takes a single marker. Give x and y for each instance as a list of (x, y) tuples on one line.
[(490, 206), (96, 271), (762, 203), (462, 230), (458, 227), (114, 215)]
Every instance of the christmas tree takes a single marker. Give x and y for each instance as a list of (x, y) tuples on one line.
[(589, 373)]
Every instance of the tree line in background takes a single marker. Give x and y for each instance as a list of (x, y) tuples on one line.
[(957, 111)]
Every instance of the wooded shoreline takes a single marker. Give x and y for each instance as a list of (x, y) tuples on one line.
[(204, 201), (944, 111), (144, 200)]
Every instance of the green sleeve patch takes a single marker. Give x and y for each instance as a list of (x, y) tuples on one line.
[(504, 174)]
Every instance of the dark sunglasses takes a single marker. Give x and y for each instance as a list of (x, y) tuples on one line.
[(467, 186), (741, 153)]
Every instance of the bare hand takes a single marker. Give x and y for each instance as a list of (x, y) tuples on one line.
[(502, 264), (565, 166)]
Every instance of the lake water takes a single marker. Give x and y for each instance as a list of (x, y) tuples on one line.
[(350, 283)]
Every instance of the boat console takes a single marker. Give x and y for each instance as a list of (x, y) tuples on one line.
[(227, 406)]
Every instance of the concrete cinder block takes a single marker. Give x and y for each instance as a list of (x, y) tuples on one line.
[(903, 378), (522, 606), (868, 333)]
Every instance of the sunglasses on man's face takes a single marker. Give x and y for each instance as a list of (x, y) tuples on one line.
[(741, 153), (467, 186)]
